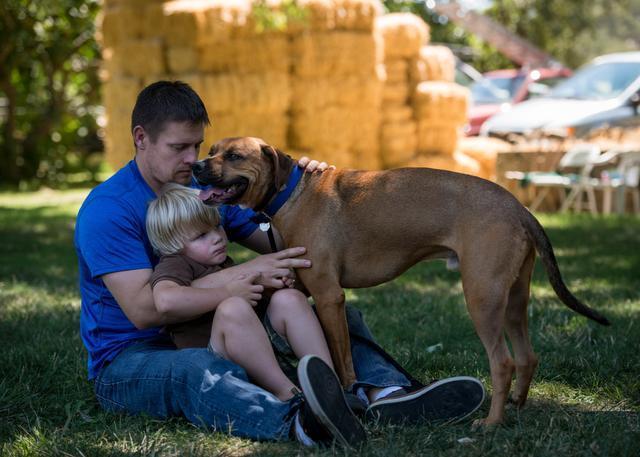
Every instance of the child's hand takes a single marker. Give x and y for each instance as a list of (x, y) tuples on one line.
[(247, 287)]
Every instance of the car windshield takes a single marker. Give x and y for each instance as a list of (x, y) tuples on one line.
[(598, 81), (509, 83), (484, 92)]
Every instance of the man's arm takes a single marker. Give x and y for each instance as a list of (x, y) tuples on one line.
[(133, 293)]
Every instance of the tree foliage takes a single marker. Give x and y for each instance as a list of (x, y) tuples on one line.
[(49, 89), (573, 31)]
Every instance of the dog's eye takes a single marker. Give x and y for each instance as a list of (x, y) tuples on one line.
[(232, 156)]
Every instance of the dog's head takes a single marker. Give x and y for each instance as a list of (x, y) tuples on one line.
[(244, 171)]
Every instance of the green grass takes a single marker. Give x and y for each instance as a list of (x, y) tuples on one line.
[(585, 398)]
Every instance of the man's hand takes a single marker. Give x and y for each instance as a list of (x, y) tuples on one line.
[(247, 287), (310, 165), (277, 268)]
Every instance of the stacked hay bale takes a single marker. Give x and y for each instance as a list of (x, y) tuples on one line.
[(401, 35), (242, 76), (246, 78), (336, 85), (440, 107)]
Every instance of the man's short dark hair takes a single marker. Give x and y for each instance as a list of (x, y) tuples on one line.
[(167, 101)]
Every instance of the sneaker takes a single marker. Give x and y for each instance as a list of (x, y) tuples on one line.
[(325, 415), (446, 400)]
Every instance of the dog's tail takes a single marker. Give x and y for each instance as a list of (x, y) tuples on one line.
[(545, 250)]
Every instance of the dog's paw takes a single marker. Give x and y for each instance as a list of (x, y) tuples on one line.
[(484, 424)]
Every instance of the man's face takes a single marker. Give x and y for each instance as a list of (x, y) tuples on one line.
[(170, 156)]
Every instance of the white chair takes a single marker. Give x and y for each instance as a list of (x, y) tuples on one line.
[(581, 159), (623, 179)]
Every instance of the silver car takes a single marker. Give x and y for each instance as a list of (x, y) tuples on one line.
[(605, 92)]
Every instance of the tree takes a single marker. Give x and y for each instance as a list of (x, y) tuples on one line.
[(49, 89), (573, 31)]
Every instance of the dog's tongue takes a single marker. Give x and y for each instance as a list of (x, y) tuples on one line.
[(206, 194)]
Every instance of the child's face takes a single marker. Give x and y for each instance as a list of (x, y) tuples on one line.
[(208, 248)]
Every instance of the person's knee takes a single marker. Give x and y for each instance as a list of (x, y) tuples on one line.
[(284, 302), (234, 311)]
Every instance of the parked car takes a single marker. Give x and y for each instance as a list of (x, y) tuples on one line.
[(500, 89), (604, 92)]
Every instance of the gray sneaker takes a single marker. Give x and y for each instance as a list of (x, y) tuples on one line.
[(446, 400), (325, 399)]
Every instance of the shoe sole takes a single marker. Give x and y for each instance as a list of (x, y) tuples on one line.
[(444, 407), (347, 420)]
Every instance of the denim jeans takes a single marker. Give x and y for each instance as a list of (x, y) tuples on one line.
[(155, 378)]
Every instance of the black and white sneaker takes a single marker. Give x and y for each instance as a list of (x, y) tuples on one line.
[(446, 400), (325, 415)]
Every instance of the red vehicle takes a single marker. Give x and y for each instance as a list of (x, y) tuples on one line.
[(502, 88)]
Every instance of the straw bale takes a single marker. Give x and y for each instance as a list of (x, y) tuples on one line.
[(185, 22), (436, 139), (395, 114), (271, 127), (229, 93), (251, 55), (338, 129), (403, 34), (182, 59), (397, 71), (127, 21), (441, 103), (139, 58), (325, 15), (334, 54), (398, 143), (485, 151), (435, 63), (119, 95), (457, 162), (396, 93), (317, 94)]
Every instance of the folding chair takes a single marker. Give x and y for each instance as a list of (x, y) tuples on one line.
[(625, 178), (581, 158)]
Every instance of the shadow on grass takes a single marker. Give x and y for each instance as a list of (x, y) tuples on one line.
[(37, 246), (420, 318)]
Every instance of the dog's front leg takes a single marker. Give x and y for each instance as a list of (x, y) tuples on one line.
[(331, 312)]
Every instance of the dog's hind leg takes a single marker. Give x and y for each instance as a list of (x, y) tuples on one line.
[(517, 330), (486, 294)]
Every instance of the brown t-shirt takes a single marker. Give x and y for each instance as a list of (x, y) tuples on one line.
[(183, 271)]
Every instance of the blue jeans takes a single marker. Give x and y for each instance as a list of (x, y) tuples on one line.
[(155, 378)]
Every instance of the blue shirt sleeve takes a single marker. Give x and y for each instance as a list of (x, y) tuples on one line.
[(111, 238), (237, 222)]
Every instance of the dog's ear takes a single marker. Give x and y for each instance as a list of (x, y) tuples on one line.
[(280, 162)]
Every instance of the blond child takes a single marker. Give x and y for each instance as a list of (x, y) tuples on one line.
[(191, 242)]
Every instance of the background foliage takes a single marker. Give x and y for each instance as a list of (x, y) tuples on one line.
[(50, 90)]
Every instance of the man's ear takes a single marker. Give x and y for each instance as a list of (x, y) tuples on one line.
[(139, 135), (281, 164)]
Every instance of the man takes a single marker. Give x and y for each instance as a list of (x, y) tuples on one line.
[(136, 368)]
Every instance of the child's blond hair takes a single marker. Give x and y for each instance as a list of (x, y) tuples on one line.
[(175, 215)]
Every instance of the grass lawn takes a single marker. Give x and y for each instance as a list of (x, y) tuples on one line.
[(585, 398)]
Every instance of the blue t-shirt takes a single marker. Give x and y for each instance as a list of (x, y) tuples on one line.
[(111, 236)]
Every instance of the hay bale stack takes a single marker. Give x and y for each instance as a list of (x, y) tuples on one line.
[(242, 76), (434, 63), (248, 79), (484, 151), (440, 109), (336, 84), (401, 36)]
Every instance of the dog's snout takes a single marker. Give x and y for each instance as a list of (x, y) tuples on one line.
[(198, 167)]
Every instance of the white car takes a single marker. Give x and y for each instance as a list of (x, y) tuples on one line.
[(604, 92)]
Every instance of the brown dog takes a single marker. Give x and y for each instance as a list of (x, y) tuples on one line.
[(410, 214)]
